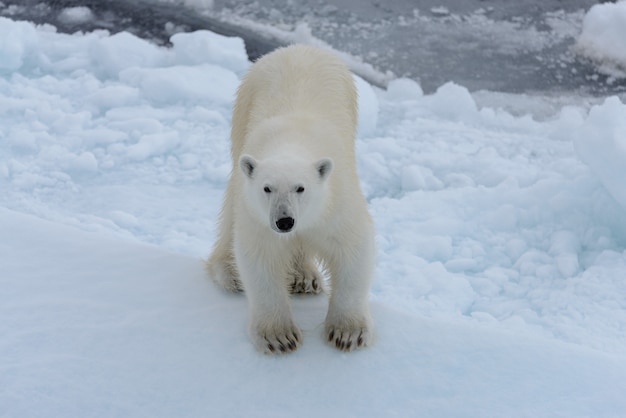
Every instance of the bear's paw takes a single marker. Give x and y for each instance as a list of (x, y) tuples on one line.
[(348, 335), (306, 280), (277, 339)]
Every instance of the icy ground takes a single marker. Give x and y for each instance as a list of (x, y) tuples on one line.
[(501, 241)]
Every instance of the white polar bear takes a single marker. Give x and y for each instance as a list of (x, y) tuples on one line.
[(293, 198)]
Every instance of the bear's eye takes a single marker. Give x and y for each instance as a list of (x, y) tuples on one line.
[(300, 189), (266, 189)]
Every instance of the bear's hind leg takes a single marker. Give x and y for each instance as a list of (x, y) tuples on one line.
[(304, 276), (221, 264), (223, 270), (306, 279)]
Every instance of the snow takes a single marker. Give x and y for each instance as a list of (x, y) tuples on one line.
[(501, 246), (603, 37), (98, 327)]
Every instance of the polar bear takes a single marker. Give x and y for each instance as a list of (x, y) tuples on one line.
[(293, 199)]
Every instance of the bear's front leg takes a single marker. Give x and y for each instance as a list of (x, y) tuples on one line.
[(348, 323), (271, 324)]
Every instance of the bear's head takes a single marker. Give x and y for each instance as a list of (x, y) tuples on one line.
[(287, 193)]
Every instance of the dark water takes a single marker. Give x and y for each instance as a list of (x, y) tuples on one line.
[(500, 45)]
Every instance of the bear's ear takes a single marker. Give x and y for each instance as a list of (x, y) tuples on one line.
[(324, 167), (247, 165)]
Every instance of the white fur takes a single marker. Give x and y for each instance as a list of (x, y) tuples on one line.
[(293, 197)]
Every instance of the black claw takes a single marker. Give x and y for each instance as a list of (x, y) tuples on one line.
[(331, 335), (295, 337), (271, 348), (314, 284), (360, 339), (282, 348), (348, 345)]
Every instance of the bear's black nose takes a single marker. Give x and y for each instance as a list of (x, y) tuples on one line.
[(285, 224)]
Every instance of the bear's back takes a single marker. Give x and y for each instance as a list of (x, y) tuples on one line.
[(304, 78), (298, 79)]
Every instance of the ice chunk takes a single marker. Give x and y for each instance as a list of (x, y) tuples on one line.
[(415, 177), (153, 144), (565, 247), (601, 143), (403, 89), (17, 41), (124, 50), (603, 37), (76, 15), (204, 47), (206, 83), (452, 101)]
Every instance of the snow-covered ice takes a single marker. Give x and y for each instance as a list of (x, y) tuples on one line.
[(94, 326), (499, 287)]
